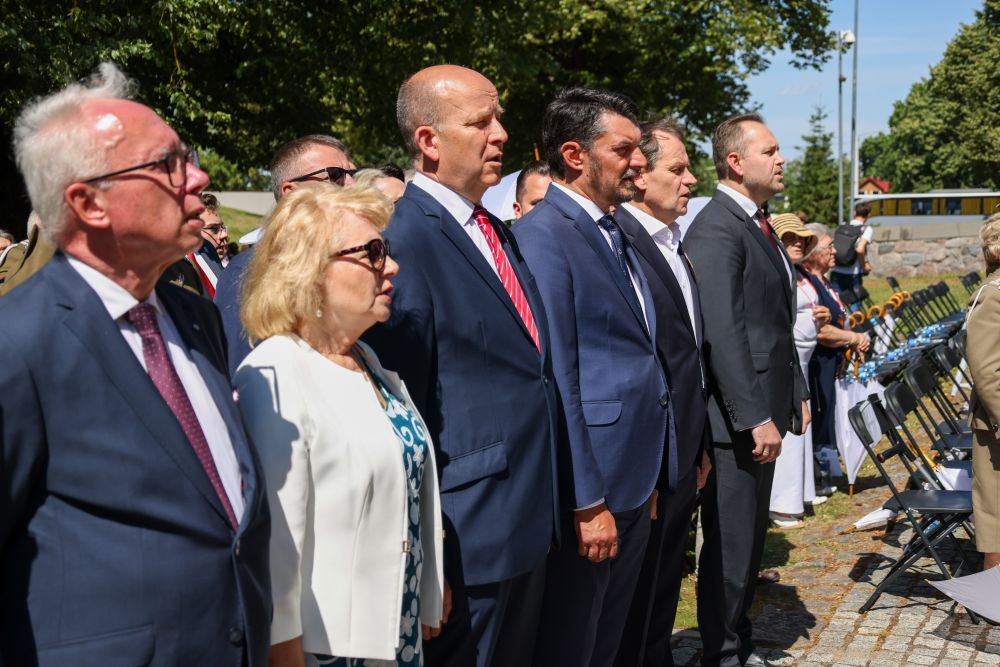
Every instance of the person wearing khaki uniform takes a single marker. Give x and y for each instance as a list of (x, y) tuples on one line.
[(983, 354)]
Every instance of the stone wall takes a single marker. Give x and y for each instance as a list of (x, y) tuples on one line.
[(926, 257)]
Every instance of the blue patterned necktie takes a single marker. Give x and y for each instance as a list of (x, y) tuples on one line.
[(617, 242)]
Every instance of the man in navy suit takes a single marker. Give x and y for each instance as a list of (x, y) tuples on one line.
[(314, 157), (468, 334), (758, 392), (620, 442), (133, 523), (663, 189)]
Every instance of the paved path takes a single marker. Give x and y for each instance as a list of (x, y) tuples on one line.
[(811, 618)]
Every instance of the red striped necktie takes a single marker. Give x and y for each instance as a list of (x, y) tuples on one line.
[(507, 275)]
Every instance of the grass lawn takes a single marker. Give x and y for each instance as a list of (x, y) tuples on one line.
[(238, 222), (880, 291)]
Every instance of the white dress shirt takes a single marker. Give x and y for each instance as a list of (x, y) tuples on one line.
[(751, 209), (668, 239), (461, 209), (118, 302), (594, 211)]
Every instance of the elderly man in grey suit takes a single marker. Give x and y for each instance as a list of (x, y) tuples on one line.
[(746, 292)]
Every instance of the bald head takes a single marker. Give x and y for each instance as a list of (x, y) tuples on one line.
[(423, 96), (450, 120)]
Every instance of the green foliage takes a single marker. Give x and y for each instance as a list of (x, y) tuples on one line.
[(243, 77), (946, 132), (811, 180), (704, 170), (227, 175)]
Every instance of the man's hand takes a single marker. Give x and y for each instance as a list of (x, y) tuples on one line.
[(806, 416), (704, 468), (653, 497), (429, 632), (596, 533), (767, 442)]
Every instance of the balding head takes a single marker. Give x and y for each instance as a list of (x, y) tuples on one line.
[(450, 120), (56, 141)]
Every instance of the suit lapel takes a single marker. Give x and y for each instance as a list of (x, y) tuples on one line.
[(587, 227), (88, 321), (695, 296), (777, 259), (646, 246), (458, 236), (194, 332)]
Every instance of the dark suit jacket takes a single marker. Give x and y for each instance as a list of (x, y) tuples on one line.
[(228, 297), (613, 389), (114, 547), (481, 385), (749, 309), (678, 340)]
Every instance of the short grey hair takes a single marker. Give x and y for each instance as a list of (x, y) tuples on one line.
[(820, 230), (54, 147), (285, 163)]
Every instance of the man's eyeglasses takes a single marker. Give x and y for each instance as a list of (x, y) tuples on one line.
[(214, 229), (175, 164), (377, 249), (334, 174)]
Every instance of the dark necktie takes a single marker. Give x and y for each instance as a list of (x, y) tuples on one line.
[(765, 228), (608, 224), (507, 275), (164, 376)]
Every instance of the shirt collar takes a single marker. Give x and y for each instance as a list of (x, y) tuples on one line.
[(116, 299), (458, 206), (745, 202), (659, 230), (592, 209)]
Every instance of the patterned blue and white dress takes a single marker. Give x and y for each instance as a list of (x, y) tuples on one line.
[(413, 443)]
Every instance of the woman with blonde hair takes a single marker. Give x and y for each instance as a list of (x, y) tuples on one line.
[(983, 325), (356, 566)]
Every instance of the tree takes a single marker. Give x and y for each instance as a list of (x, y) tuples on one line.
[(811, 180), (946, 132), (242, 78)]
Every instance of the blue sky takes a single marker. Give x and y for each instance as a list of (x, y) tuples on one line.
[(898, 41)]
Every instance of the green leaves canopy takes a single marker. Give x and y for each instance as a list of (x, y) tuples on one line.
[(243, 77)]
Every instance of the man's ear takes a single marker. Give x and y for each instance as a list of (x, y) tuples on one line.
[(517, 209), (573, 155), (88, 204), (426, 139), (640, 181), (735, 163)]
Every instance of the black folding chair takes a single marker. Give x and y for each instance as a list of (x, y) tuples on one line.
[(933, 515), (923, 382), (949, 361), (902, 402), (893, 283)]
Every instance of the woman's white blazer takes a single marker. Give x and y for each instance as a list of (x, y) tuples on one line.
[(337, 492)]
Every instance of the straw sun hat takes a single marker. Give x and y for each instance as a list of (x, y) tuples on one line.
[(789, 223)]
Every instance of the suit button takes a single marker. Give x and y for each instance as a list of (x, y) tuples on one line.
[(545, 379), (664, 400), (237, 549), (791, 364), (235, 636)]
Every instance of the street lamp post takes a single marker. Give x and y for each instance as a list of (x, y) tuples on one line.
[(844, 39), (854, 113)]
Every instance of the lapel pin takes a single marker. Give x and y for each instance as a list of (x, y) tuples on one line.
[(196, 327)]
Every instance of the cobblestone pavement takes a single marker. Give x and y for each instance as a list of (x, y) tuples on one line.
[(811, 618)]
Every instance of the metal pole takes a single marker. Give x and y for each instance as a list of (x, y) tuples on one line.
[(840, 128), (854, 113)]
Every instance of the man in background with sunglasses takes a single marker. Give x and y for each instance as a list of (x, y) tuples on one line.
[(314, 157), (134, 527), (468, 335)]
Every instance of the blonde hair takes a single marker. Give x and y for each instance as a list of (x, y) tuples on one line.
[(282, 283), (989, 234)]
